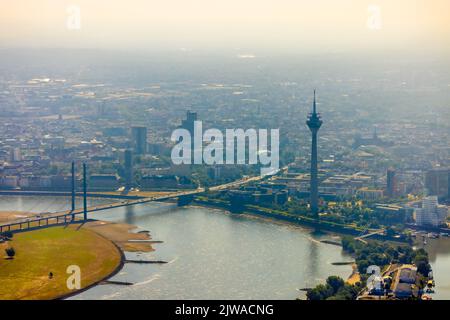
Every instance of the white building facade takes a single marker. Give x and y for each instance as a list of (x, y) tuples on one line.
[(431, 214)]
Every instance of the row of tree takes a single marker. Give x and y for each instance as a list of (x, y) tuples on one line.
[(335, 288), (373, 253), (382, 254)]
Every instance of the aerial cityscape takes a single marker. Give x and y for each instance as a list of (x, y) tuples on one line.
[(239, 169)]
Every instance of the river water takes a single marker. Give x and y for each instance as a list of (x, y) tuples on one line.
[(439, 256), (216, 255)]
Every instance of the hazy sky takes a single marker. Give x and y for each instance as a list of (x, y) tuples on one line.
[(302, 25)]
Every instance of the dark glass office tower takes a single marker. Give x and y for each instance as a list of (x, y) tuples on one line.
[(139, 139)]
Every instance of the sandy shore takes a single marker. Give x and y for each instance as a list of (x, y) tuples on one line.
[(355, 276), (122, 235), (111, 241)]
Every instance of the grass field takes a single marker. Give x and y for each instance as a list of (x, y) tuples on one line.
[(53, 250)]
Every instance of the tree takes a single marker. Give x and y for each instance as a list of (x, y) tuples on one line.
[(335, 283), (420, 259), (346, 292), (10, 252), (422, 264), (378, 259), (348, 244), (321, 292), (392, 253), (390, 232), (423, 267), (334, 289), (421, 252), (362, 265)]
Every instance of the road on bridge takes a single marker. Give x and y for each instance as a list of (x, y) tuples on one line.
[(67, 215)]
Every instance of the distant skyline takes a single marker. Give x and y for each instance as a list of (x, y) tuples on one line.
[(245, 25)]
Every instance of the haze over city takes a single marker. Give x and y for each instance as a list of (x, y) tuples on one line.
[(284, 26)]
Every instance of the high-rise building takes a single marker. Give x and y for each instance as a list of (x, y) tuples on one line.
[(139, 139), (188, 124), (128, 166), (16, 155), (391, 183), (431, 214), (314, 123), (448, 184), (437, 182), (101, 109)]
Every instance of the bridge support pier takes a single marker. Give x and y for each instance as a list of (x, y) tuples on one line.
[(184, 200), (73, 190)]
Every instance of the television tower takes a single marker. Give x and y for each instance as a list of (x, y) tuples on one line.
[(314, 123), (73, 190), (84, 193)]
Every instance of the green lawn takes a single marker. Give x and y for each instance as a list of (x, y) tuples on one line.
[(53, 250)]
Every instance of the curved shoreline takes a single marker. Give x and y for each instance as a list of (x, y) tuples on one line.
[(116, 270), (120, 266), (119, 244), (98, 257)]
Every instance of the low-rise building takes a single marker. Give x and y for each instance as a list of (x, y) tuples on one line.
[(9, 182), (103, 182), (159, 182), (370, 194)]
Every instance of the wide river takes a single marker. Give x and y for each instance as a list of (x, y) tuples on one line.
[(216, 255)]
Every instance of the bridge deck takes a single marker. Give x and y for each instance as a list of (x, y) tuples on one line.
[(69, 216)]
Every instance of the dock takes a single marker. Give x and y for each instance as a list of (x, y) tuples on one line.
[(146, 261)]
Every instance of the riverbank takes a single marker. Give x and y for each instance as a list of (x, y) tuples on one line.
[(97, 247), (52, 250), (276, 215), (352, 279), (355, 277), (226, 234), (123, 235)]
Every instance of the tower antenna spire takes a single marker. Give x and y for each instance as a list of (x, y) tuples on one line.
[(314, 104)]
